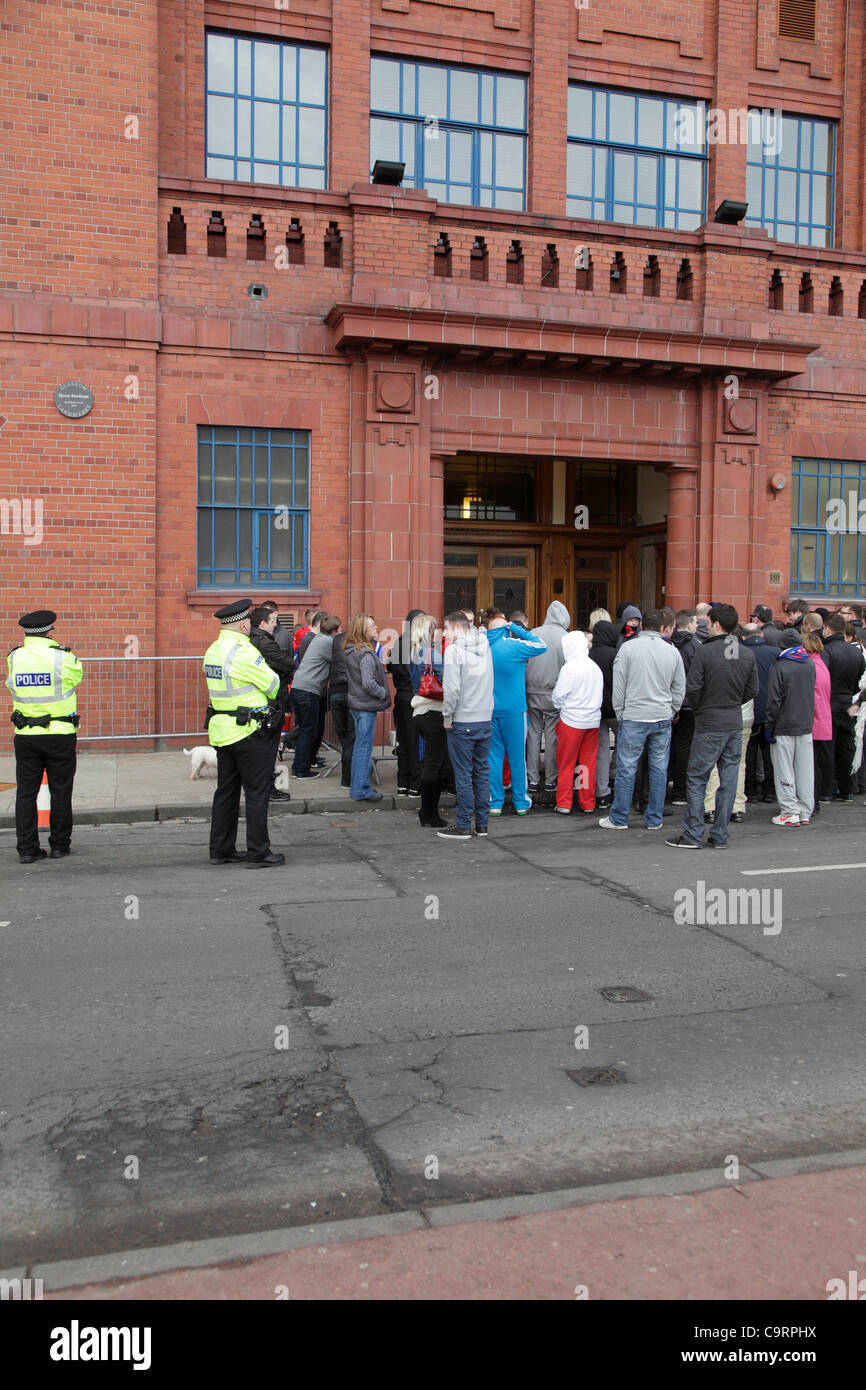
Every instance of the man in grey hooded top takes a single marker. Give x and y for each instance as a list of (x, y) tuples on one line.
[(541, 676)]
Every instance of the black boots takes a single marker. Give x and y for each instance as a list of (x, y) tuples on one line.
[(429, 812), (32, 858), (270, 861)]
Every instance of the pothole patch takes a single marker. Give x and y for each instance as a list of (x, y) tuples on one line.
[(597, 1076)]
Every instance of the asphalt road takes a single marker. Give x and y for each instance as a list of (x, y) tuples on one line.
[(431, 994)]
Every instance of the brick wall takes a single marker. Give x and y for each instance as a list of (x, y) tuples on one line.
[(79, 196), (78, 298)]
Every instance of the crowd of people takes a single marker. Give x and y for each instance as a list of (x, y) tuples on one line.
[(690, 709)]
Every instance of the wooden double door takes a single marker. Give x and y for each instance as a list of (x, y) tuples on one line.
[(488, 576), (511, 577), (530, 577)]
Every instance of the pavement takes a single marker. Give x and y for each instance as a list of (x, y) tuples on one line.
[(126, 787), (757, 1238), (210, 1070)]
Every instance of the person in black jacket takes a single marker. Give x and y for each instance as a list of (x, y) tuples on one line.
[(795, 611), (263, 621), (853, 613), (723, 676), (408, 748), (811, 622), (845, 663), (338, 699), (789, 717), (605, 638), (684, 639), (769, 630), (758, 749), (281, 635)]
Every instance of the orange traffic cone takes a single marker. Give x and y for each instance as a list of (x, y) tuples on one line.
[(43, 803)]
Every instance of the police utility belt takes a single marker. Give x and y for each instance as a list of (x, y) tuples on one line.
[(23, 721), (268, 719)]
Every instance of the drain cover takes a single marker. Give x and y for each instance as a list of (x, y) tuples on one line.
[(624, 994), (596, 1076)]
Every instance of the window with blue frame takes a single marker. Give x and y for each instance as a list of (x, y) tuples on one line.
[(636, 159), (253, 507), (266, 118), (460, 132), (826, 556), (790, 167)]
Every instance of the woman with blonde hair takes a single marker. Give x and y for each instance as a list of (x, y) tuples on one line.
[(598, 615), (425, 669), (368, 695)]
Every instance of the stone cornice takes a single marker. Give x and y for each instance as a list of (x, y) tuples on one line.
[(582, 347)]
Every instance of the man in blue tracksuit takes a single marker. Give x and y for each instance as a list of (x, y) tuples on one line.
[(511, 646)]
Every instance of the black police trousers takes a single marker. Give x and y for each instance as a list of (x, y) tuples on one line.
[(55, 755), (248, 764)]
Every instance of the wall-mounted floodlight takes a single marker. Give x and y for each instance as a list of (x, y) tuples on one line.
[(388, 171), (730, 212)]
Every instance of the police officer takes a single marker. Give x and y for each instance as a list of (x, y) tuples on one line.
[(242, 689), (42, 677)]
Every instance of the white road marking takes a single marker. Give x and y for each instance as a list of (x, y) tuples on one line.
[(803, 869)]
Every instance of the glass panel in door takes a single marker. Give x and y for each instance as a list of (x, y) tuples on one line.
[(509, 593), (460, 592), (591, 593)]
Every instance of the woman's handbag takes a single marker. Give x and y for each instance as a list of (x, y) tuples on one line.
[(431, 686)]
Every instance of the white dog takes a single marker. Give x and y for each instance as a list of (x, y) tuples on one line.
[(202, 756)]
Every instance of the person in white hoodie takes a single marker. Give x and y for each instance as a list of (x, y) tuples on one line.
[(577, 695)]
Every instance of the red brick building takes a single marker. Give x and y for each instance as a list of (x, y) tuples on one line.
[(538, 368)]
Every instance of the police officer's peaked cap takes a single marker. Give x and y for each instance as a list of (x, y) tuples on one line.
[(34, 624), (233, 612)]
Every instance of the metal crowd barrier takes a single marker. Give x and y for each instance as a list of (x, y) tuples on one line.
[(141, 698), (150, 698)]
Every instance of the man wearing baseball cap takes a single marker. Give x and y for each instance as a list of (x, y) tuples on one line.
[(763, 616), (243, 691), (42, 677)]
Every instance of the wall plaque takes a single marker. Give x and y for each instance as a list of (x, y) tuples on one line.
[(73, 399)]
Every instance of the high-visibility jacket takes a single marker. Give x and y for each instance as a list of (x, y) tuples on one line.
[(42, 677), (237, 676)]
